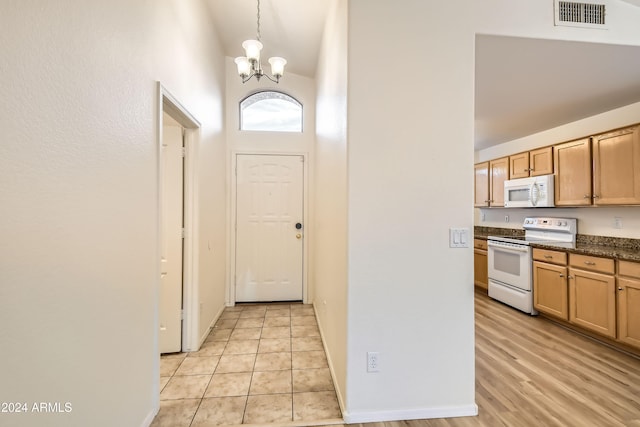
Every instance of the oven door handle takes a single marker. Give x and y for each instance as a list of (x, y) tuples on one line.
[(499, 247)]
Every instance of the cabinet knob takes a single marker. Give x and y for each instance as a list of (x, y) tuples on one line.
[(621, 289), (562, 275), (586, 196), (569, 277), (595, 196)]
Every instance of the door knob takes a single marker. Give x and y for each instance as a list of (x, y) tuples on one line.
[(299, 236)]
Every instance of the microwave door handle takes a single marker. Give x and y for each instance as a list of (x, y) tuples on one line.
[(534, 194)]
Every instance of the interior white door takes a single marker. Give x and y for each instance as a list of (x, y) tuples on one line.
[(269, 227), (170, 339)]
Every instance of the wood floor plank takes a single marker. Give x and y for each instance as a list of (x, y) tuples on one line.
[(533, 372)]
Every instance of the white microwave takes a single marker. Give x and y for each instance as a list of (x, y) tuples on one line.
[(534, 192)]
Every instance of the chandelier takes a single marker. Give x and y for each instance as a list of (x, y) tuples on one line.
[(249, 65)]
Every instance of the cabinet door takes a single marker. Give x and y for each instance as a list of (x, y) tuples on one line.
[(629, 311), (541, 161), (480, 268), (572, 161), (592, 301), (481, 185), (519, 166), (498, 174), (616, 167), (550, 292)]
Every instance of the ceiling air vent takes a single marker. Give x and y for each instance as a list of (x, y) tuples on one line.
[(573, 14)]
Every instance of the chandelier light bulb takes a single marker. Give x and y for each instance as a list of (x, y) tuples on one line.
[(252, 49), (277, 66), (244, 67)]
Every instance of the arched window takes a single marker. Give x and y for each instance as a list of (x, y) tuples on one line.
[(271, 111)]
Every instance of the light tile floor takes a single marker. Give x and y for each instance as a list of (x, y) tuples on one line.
[(261, 364)]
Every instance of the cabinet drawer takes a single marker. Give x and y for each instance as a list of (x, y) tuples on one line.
[(553, 257), (480, 244), (586, 262), (628, 268)]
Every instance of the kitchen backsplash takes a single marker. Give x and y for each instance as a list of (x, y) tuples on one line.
[(594, 221)]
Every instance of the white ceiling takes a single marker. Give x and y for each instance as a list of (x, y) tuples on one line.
[(523, 85), (291, 29)]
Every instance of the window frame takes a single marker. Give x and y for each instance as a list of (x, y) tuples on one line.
[(281, 95)]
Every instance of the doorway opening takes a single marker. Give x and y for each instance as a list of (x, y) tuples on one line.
[(178, 133)]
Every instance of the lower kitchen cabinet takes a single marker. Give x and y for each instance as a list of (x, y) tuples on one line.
[(629, 303), (550, 290), (592, 294), (480, 264)]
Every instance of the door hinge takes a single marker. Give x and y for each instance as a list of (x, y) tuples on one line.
[(182, 314), (183, 152), (183, 234)]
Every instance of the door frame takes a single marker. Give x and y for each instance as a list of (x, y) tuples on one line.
[(231, 289), (167, 103)]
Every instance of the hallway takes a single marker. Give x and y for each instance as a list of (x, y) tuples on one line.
[(261, 364)]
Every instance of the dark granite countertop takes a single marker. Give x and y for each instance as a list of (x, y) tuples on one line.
[(617, 252), (602, 246)]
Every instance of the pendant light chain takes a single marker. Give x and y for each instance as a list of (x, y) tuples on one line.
[(258, 26)]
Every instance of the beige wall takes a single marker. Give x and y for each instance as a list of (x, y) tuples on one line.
[(79, 268), (329, 250), (410, 296)]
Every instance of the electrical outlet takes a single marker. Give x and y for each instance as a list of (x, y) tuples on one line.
[(506, 218), (373, 362), (482, 216), (617, 222)]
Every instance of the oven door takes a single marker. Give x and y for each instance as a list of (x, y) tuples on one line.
[(510, 264)]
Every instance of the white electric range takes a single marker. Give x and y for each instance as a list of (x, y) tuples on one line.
[(510, 261)]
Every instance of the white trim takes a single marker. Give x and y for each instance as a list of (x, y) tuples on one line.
[(411, 414), (168, 104), (231, 240), (330, 362), (211, 325), (151, 415)]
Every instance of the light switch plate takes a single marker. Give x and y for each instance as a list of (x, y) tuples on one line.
[(459, 237)]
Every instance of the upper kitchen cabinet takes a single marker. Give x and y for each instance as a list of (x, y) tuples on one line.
[(572, 161), (498, 174), (489, 178), (481, 185), (531, 163), (616, 167)]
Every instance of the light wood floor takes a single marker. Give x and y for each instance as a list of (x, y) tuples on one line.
[(532, 372)]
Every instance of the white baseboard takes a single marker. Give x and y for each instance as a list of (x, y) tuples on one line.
[(411, 414), (211, 325), (330, 362), (149, 418)]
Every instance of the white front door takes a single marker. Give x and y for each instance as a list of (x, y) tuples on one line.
[(269, 227), (170, 338)]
